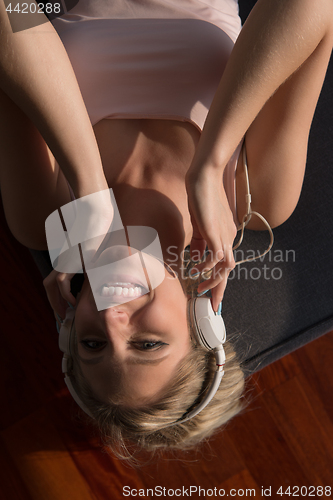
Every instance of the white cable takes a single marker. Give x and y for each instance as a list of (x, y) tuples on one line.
[(248, 215)]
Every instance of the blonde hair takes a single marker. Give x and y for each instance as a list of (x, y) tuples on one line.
[(149, 426)]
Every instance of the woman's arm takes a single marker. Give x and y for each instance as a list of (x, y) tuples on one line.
[(279, 38), (35, 72)]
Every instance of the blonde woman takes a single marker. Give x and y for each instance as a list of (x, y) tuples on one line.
[(153, 100)]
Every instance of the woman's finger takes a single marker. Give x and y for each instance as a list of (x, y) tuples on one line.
[(57, 302), (219, 272), (59, 321), (214, 255), (197, 248), (217, 294), (64, 284)]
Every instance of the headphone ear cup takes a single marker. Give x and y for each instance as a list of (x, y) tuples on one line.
[(208, 327)]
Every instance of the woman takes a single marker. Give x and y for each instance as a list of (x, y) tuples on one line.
[(268, 90)]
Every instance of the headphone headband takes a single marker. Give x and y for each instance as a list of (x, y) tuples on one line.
[(210, 333), (65, 346)]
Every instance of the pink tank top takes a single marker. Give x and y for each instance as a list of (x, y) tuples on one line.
[(151, 58)]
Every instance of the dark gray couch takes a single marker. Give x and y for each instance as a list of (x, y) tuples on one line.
[(280, 303)]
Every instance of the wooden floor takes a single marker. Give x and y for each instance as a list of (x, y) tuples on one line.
[(285, 437)]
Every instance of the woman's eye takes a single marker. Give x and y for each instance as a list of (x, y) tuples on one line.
[(93, 345), (147, 345)]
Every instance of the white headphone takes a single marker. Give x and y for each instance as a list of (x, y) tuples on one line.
[(65, 346), (209, 331)]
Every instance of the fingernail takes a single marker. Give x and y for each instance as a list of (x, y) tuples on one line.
[(203, 293), (219, 311), (61, 320), (70, 305), (58, 330), (194, 274)]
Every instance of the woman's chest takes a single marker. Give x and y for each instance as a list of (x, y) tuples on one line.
[(146, 68)]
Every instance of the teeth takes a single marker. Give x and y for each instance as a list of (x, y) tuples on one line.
[(125, 291)]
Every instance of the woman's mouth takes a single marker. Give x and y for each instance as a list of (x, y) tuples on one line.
[(122, 290)]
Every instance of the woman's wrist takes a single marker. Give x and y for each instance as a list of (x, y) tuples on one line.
[(200, 173), (208, 162)]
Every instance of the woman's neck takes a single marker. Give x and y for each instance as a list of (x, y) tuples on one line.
[(145, 163), (166, 213)]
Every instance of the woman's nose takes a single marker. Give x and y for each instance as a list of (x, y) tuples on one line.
[(115, 316)]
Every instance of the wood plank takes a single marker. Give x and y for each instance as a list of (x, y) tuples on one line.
[(310, 438), (169, 470), (43, 461), (244, 484), (276, 374), (11, 485), (207, 466), (315, 362), (263, 448)]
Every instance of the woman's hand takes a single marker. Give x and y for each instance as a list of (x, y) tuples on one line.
[(89, 220), (213, 226), (58, 290)]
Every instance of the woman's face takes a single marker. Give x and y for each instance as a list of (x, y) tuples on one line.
[(130, 351)]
